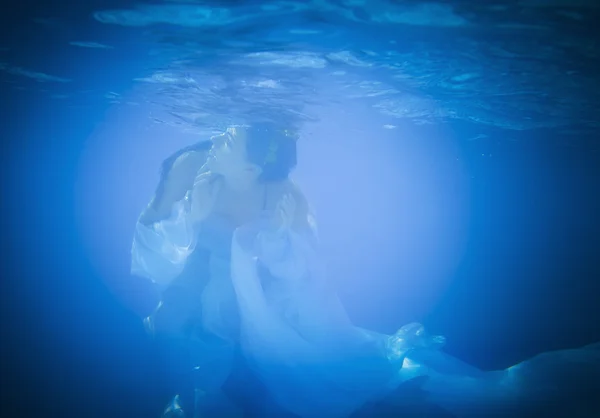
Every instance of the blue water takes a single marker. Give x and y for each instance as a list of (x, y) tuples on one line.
[(461, 140)]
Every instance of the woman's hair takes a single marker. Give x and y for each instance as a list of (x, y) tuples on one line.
[(167, 164), (273, 148)]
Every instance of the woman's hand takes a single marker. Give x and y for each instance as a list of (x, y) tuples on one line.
[(204, 195)]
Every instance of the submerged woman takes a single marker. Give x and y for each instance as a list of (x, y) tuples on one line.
[(183, 241), (233, 241)]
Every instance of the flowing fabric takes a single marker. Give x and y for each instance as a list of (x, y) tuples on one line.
[(267, 292), (317, 364), (301, 343), (159, 252)]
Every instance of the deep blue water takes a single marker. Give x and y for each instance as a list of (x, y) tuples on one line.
[(525, 128)]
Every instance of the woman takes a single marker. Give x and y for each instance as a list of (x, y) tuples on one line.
[(183, 239), (235, 247)]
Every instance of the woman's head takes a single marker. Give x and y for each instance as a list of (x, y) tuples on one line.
[(262, 152)]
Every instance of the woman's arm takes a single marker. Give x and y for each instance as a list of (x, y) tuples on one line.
[(173, 187)]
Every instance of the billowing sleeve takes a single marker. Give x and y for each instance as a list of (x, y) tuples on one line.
[(160, 250)]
